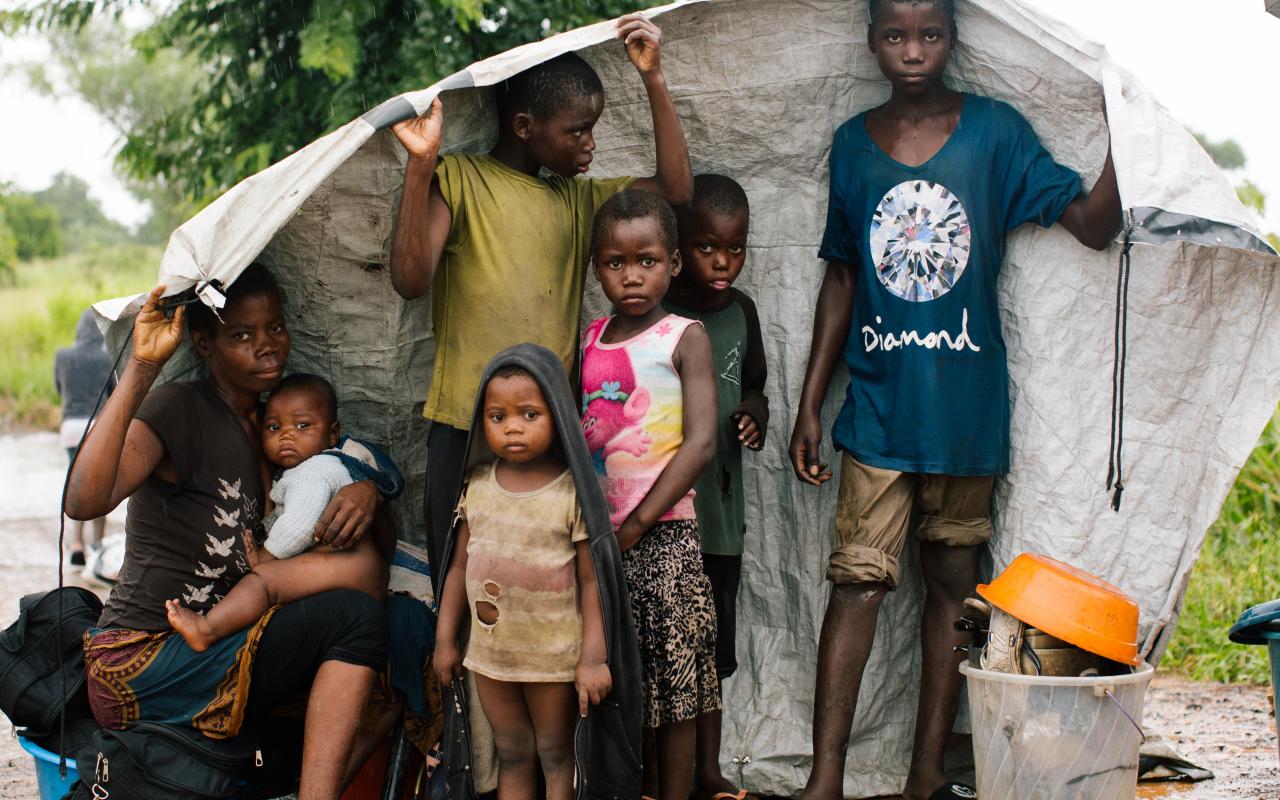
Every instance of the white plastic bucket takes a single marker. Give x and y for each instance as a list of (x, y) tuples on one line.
[(1037, 738)]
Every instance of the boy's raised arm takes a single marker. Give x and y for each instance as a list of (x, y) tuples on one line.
[(424, 218), (674, 179), (1095, 217)]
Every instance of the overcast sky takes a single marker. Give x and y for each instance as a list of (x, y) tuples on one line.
[(1215, 65)]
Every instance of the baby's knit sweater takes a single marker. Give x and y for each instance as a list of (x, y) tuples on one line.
[(300, 495)]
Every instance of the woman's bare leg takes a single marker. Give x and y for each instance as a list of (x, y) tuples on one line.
[(369, 737), (553, 707), (513, 736), (339, 695), (281, 581)]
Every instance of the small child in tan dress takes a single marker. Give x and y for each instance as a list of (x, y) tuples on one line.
[(522, 571)]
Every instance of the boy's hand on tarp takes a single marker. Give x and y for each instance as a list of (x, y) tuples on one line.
[(155, 338), (421, 135), (447, 661), (593, 682), (806, 439), (643, 40)]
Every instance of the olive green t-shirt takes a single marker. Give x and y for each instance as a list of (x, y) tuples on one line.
[(512, 271), (737, 352)]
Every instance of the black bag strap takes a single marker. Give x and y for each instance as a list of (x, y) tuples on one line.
[(457, 743)]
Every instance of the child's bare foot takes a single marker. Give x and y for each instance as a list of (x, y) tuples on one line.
[(713, 785), (193, 627)]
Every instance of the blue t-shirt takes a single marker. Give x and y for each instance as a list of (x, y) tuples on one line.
[(929, 388)]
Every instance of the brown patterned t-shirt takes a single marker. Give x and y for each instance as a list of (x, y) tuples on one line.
[(188, 540)]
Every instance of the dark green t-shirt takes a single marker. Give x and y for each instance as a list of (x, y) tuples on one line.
[(737, 352)]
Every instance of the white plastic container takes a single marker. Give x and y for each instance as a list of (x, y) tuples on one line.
[(1040, 738)]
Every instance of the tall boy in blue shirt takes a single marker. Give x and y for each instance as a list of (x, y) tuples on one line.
[(924, 190)]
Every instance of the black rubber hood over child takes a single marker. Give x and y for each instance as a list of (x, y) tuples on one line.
[(607, 743)]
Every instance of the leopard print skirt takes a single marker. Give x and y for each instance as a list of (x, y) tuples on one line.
[(675, 623)]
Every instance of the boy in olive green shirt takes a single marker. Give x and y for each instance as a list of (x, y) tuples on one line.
[(501, 238)]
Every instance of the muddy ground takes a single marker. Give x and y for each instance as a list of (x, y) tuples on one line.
[(1227, 729)]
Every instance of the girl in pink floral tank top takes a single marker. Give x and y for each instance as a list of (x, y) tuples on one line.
[(633, 412), (649, 416)]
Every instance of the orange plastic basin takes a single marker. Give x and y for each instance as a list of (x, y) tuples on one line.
[(1067, 603)]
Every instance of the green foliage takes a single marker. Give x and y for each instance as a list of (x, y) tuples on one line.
[(38, 314), (1237, 569), (32, 224), (134, 85), (1227, 153), (1252, 196), (82, 222), (8, 251), (264, 79)]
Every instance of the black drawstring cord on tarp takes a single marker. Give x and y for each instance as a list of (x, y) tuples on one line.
[(62, 523), (1115, 467)]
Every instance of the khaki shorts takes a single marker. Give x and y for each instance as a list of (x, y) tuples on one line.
[(877, 507)]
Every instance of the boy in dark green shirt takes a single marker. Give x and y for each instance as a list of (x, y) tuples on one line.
[(713, 249)]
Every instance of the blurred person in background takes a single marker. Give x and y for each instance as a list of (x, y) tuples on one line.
[(78, 373)]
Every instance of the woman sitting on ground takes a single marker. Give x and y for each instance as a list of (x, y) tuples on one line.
[(188, 457)]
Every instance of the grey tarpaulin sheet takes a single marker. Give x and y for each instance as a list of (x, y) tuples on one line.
[(761, 85)]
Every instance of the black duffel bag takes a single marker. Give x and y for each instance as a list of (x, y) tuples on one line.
[(151, 761), (42, 663)]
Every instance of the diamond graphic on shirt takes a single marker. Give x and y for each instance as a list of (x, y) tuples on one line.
[(919, 240)]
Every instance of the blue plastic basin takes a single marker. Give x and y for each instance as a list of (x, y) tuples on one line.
[(52, 786)]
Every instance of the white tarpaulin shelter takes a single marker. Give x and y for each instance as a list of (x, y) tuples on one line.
[(761, 85)]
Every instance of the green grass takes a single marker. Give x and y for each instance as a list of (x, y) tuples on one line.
[(1239, 567), (38, 314)]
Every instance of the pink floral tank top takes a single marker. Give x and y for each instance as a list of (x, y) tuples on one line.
[(633, 412)]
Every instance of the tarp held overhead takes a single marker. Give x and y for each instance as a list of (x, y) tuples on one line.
[(761, 85)]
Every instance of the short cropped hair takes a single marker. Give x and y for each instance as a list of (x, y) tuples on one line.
[(719, 194), (546, 88), (636, 204), (947, 7), (255, 281), (307, 382)]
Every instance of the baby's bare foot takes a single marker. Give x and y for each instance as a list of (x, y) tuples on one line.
[(193, 627)]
